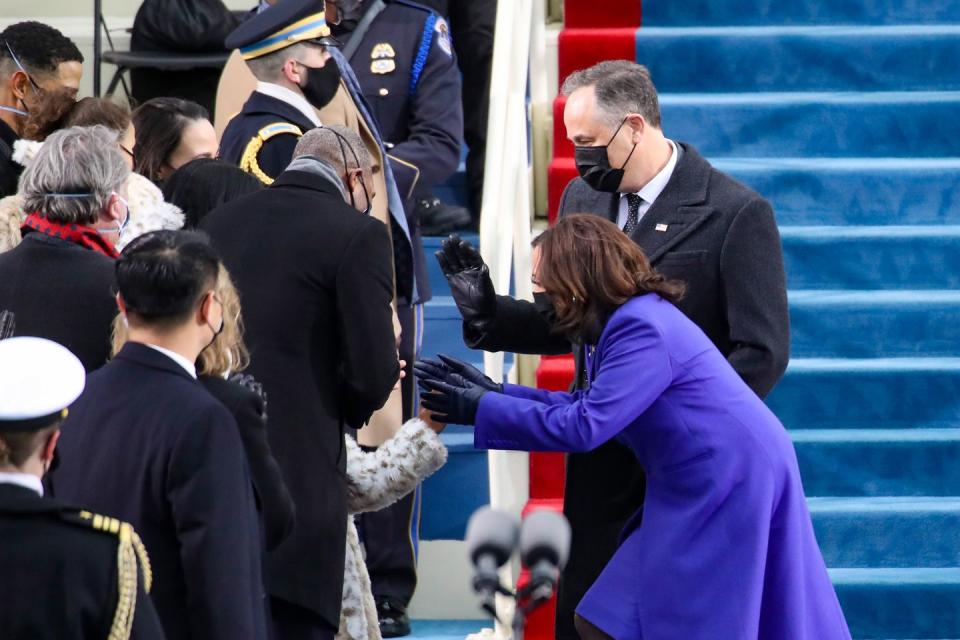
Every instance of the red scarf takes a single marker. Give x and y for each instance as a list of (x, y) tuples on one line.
[(85, 236)]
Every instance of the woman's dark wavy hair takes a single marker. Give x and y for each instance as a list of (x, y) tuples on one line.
[(159, 125), (589, 267), (202, 185)]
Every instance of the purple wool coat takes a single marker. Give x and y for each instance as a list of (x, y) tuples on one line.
[(726, 548)]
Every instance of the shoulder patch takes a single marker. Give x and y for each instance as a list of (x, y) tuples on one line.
[(443, 36)]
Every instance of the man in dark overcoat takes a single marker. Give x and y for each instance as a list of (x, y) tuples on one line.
[(696, 225), (316, 285), (146, 443)]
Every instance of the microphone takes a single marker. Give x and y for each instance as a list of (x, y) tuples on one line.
[(491, 539), (544, 548)]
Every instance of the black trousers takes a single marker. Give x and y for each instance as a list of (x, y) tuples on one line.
[(471, 27), (390, 536), (293, 622)]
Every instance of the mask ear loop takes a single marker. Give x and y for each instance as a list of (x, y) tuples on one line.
[(16, 61), (343, 154)]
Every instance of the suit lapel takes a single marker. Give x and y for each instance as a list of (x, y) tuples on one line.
[(679, 210)]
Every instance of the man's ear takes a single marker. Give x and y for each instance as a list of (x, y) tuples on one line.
[(121, 305), (19, 82), (292, 71), (638, 126), (50, 445)]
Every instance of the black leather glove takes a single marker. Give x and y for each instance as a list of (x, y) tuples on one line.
[(469, 280), (446, 366), (250, 383), (452, 403)]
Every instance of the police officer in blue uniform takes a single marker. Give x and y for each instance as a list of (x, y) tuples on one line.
[(285, 48), (402, 55)]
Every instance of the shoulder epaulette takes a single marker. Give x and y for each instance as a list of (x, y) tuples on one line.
[(130, 552), (248, 161)]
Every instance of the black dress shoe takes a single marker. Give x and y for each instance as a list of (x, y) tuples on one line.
[(438, 219), (394, 622)]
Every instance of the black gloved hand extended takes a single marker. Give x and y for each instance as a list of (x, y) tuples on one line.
[(453, 403), (445, 367), (469, 279)]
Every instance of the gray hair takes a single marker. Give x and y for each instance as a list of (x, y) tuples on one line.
[(621, 87), (338, 146), (74, 174), (266, 68)]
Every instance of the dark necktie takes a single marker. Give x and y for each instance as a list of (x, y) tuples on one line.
[(633, 212)]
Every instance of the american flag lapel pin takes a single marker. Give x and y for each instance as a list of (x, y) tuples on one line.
[(661, 227)]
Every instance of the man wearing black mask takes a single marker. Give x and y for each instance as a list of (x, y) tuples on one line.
[(285, 48), (696, 225)]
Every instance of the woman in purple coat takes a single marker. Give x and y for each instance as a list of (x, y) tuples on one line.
[(726, 550)]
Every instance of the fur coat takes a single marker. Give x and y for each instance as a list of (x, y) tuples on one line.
[(148, 211), (376, 480)]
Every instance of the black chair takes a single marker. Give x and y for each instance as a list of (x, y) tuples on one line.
[(127, 60)]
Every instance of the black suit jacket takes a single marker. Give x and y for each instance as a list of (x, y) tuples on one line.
[(273, 498), (259, 111), (721, 239), (59, 574), (146, 443), (9, 170), (60, 291), (315, 282)]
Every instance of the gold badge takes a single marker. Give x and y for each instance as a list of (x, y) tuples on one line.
[(382, 58)]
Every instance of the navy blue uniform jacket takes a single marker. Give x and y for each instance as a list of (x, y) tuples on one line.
[(147, 444), (421, 124), (259, 111)]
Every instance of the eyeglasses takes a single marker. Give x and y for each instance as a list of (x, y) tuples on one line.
[(133, 158)]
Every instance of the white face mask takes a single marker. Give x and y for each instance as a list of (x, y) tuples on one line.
[(126, 219)]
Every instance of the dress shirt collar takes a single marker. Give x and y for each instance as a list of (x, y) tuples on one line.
[(25, 480), (652, 190), (188, 366), (292, 98)]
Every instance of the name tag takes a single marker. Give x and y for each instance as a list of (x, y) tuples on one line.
[(661, 227)]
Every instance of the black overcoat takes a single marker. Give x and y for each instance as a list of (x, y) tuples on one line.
[(315, 283), (60, 291), (720, 238), (147, 444)]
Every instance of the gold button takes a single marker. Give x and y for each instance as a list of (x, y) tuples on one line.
[(384, 92)]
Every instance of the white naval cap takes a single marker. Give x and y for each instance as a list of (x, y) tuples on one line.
[(38, 380)]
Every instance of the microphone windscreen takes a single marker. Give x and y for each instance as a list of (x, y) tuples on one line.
[(491, 531), (545, 535)]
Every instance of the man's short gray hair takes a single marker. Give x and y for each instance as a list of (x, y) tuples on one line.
[(333, 145), (74, 174), (267, 68), (621, 87)]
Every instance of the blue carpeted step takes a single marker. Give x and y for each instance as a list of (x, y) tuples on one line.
[(881, 393), (662, 13), (443, 329), (858, 191), (887, 532), (845, 124), (775, 58), (879, 462), (900, 603), (874, 324), (458, 489), (445, 629), (884, 257)]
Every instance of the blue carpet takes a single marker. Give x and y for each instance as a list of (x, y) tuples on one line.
[(846, 116), (445, 629)]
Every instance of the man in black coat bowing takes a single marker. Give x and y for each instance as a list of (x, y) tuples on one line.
[(696, 225), (146, 443), (316, 284)]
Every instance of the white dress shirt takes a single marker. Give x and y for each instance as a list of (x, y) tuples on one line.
[(188, 366), (292, 98), (650, 191), (25, 480)]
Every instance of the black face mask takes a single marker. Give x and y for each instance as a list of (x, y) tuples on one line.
[(593, 163), (545, 307), (322, 84)]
